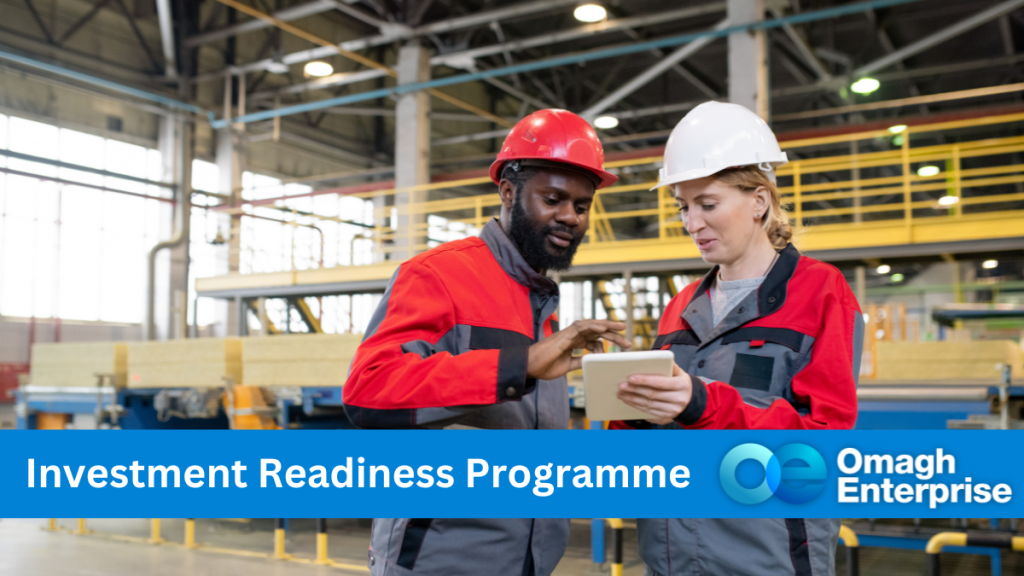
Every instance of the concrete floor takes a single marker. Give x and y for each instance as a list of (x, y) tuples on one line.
[(26, 549)]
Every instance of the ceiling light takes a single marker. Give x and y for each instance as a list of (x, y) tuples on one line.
[(865, 86), (949, 200), (883, 269), (318, 69), (989, 264), (897, 128), (896, 277), (590, 13), (606, 122), (927, 171)]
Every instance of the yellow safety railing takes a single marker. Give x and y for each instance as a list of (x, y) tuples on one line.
[(837, 193)]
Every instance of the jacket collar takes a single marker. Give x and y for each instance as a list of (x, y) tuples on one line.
[(512, 262), (769, 298)]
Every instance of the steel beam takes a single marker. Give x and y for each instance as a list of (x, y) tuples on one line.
[(82, 21), (1007, 34), (465, 59), (651, 73), (621, 115), (449, 25), (39, 21), (286, 15), (802, 47), (163, 9), (836, 83), (700, 84), (470, 137), (547, 63), (138, 35), (383, 26), (939, 37)]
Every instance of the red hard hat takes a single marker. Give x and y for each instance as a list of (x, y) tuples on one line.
[(554, 136)]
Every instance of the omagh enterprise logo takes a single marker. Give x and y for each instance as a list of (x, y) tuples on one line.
[(795, 473)]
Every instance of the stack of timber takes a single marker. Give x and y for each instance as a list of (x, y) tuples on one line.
[(298, 359), (190, 363), (76, 364), (947, 360)]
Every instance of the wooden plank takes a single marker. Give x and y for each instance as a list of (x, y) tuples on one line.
[(943, 360), (295, 347), (305, 373), (185, 351), (77, 363), (194, 375), (1004, 350)]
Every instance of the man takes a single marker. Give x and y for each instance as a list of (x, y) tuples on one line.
[(466, 334)]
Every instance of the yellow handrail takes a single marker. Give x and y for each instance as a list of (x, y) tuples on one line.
[(836, 192)]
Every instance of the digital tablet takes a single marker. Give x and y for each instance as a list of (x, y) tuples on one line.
[(602, 374)]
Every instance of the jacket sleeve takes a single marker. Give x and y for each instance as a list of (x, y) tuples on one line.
[(827, 383), (409, 360)]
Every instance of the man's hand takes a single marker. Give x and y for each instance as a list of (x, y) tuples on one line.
[(552, 357), (662, 397)]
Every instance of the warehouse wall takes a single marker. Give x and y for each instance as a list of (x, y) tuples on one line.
[(15, 334)]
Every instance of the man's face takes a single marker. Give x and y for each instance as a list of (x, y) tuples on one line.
[(549, 217)]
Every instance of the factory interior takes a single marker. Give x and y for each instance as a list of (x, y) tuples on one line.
[(202, 203)]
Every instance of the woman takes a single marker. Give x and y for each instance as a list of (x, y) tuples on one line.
[(769, 339)]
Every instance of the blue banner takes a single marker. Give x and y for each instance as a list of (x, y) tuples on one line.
[(476, 473)]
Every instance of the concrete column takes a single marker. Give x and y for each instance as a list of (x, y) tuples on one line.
[(172, 264), (229, 157), (748, 58), (861, 286), (628, 289), (412, 147)]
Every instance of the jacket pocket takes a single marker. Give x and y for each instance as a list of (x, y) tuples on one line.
[(754, 372)]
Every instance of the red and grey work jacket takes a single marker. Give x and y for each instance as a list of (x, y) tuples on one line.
[(786, 357), (448, 345)]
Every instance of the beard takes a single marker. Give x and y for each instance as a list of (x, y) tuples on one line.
[(531, 238)]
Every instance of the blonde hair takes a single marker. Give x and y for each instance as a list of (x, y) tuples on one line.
[(775, 221)]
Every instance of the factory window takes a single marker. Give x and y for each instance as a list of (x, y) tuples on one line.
[(68, 250), (285, 237), (282, 236), (207, 235)]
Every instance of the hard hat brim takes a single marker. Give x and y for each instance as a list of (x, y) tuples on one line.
[(606, 178), (686, 176)]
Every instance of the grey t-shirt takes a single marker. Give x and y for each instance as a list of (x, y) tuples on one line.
[(726, 294)]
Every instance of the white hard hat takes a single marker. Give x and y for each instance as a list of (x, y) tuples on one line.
[(715, 136)]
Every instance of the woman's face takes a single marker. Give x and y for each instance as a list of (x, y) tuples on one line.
[(723, 220)]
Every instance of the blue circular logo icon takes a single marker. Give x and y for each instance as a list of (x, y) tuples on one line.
[(794, 473)]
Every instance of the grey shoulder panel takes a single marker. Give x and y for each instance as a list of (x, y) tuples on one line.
[(382, 308), (858, 344)]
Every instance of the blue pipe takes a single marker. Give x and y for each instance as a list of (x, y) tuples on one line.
[(563, 60), (107, 84)]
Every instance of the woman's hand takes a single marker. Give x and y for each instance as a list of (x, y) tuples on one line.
[(662, 397)]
